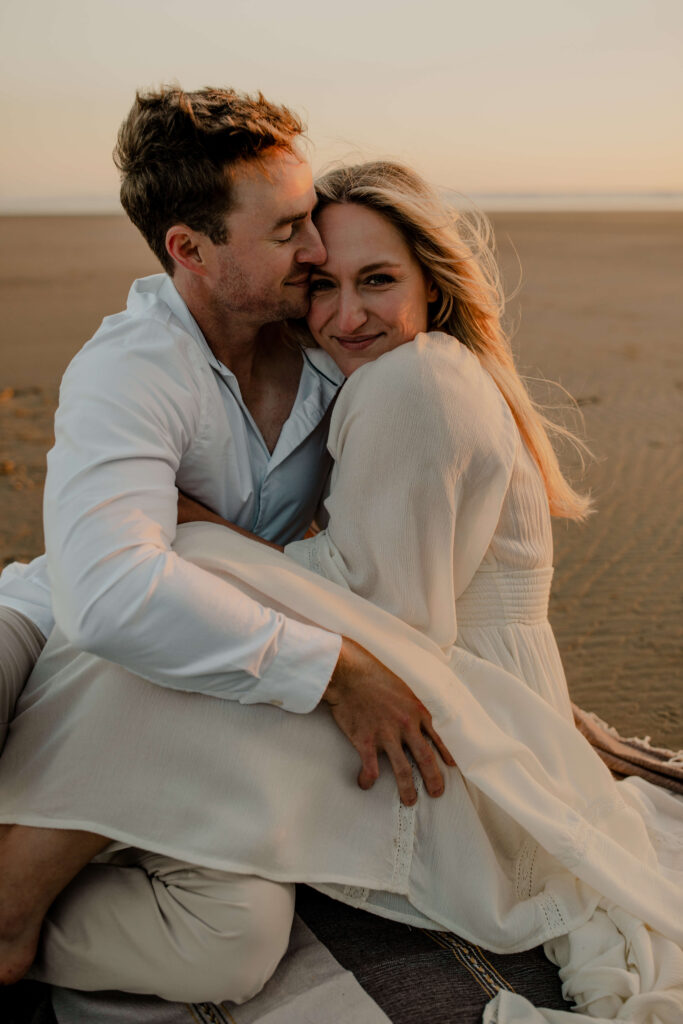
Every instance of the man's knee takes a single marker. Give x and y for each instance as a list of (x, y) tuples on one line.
[(240, 931), (163, 927)]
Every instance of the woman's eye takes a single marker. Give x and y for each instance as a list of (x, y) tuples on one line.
[(379, 279), (319, 285)]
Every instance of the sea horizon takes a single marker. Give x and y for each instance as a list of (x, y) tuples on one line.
[(491, 202)]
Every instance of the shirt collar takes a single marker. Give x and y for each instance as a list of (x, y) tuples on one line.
[(169, 294), (324, 365)]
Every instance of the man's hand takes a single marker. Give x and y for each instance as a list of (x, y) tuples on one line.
[(376, 711), (191, 511)]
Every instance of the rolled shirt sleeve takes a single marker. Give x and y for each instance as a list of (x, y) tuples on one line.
[(126, 418)]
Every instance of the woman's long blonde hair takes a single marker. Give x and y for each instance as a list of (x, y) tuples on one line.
[(455, 251)]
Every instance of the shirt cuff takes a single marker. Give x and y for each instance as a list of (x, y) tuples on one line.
[(298, 675)]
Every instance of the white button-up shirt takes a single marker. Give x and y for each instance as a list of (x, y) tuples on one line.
[(146, 406)]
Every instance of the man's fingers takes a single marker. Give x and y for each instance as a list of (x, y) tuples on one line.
[(369, 772), (400, 765), (445, 753), (425, 759)]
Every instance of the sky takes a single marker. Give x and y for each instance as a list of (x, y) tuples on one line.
[(488, 96)]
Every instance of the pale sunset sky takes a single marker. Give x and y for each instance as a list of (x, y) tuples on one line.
[(535, 96)]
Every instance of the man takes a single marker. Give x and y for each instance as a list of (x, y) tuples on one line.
[(190, 386)]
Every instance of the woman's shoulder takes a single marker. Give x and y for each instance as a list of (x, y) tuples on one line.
[(428, 354), (434, 367), (439, 378)]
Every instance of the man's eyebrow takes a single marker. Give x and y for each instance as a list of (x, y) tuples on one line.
[(291, 218)]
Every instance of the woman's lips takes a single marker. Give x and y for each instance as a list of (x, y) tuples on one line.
[(358, 342)]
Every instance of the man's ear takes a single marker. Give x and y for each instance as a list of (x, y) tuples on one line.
[(187, 248)]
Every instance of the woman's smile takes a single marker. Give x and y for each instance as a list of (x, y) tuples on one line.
[(358, 342)]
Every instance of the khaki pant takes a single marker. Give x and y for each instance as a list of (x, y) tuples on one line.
[(146, 923), (20, 645)]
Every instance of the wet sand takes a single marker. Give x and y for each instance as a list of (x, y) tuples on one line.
[(598, 310)]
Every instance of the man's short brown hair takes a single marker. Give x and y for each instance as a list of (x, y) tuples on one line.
[(175, 151)]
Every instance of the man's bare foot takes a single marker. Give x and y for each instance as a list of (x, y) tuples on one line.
[(35, 865)]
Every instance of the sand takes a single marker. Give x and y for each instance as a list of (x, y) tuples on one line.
[(598, 310)]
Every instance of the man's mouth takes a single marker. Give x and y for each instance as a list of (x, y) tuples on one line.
[(300, 282)]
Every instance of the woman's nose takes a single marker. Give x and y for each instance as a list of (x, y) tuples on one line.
[(351, 313)]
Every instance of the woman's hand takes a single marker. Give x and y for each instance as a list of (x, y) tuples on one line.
[(377, 712)]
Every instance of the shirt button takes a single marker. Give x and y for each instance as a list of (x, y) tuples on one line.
[(276, 703)]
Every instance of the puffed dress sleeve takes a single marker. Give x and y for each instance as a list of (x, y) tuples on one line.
[(424, 446)]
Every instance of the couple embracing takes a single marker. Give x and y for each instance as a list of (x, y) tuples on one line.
[(330, 353)]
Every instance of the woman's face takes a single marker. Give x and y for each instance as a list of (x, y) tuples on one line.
[(371, 294)]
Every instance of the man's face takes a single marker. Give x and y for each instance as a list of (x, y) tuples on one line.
[(265, 265)]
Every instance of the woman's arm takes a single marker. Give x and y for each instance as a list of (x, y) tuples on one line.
[(424, 445)]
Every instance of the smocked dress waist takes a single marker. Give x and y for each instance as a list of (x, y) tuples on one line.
[(497, 598), (502, 617)]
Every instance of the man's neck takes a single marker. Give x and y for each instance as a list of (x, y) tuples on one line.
[(232, 338), (267, 371)]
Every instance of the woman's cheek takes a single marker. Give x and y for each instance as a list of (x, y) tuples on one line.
[(319, 313)]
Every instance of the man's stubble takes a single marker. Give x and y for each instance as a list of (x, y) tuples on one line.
[(239, 296)]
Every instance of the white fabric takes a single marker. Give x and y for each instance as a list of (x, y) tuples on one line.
[(532, 833), (145, 405)]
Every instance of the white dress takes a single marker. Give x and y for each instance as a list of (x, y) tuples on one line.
[(438, 514)]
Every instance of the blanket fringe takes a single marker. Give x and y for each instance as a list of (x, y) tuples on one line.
[(631, 755)]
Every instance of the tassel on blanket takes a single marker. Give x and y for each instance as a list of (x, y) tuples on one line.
[(631, 756)]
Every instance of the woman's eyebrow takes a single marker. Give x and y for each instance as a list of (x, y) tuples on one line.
[(376, 266), (367, 269)]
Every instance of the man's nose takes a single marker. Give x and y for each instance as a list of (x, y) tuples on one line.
[(312, 250), (351, 313)]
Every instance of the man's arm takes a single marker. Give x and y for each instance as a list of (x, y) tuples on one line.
[(125, 422)]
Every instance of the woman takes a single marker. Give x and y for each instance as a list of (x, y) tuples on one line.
[(438, 512), (434, 277)]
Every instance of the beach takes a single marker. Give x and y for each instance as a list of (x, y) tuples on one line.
[(597, 309)]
